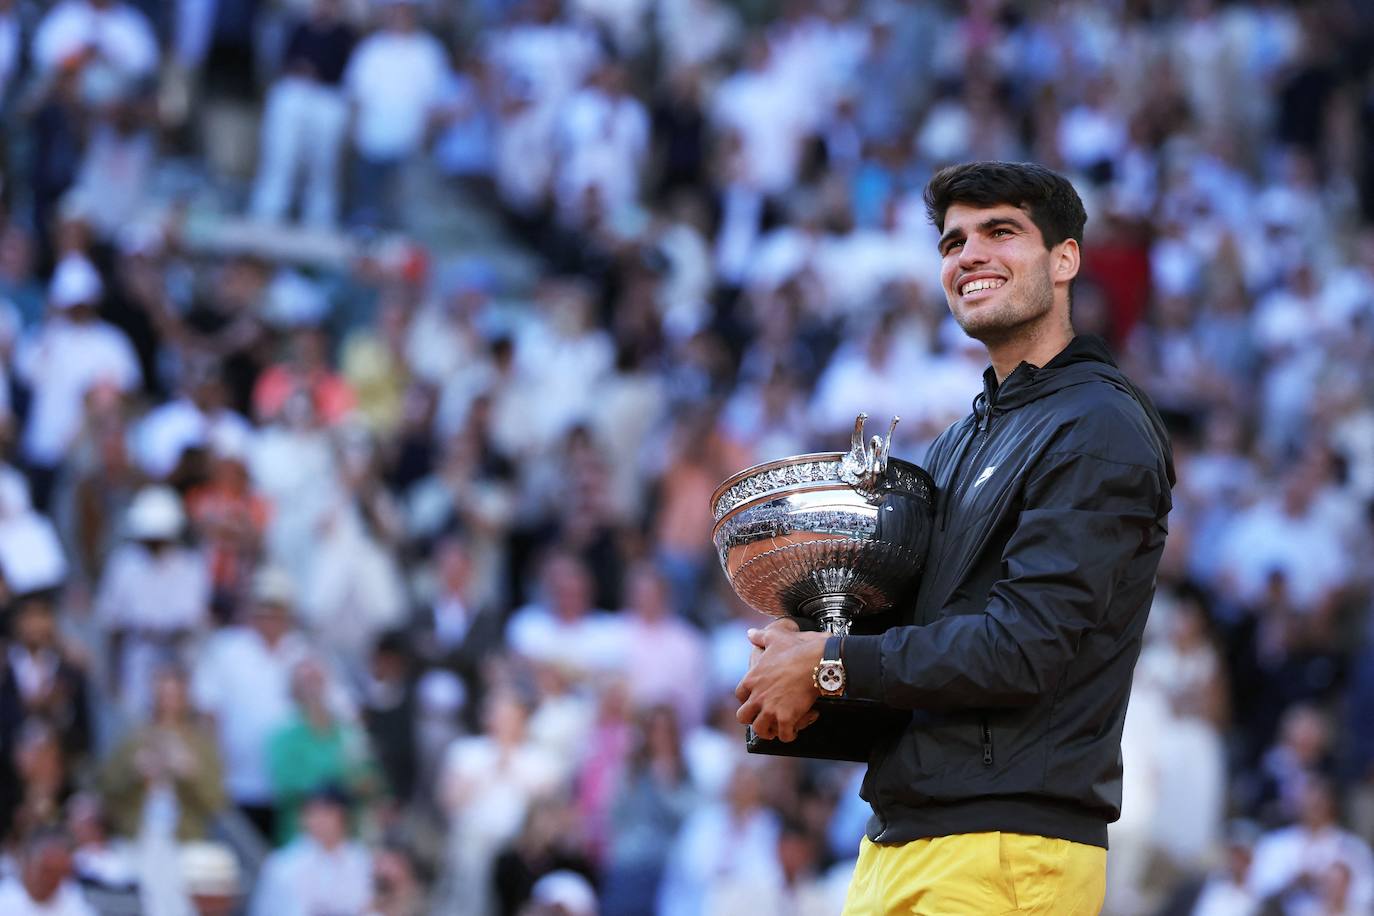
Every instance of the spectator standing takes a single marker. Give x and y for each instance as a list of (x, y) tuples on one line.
[(69, 355), (97, 34), (243, 680), (394, 83), (305, 122), (154, 596)]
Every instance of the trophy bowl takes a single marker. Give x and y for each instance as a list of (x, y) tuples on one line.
[(831, 537)]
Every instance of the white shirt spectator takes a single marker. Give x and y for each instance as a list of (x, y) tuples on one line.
[(770, 117), (68, 901), (547, 62), (118, 34), (395, 79), (169, 430), (304, 878), (694, 32), (523, 157), (62, 362), (31, 556), (606, 139), (487, 792), (595, 642), (246, 685), (1264, 539), (143, 590), (151, 597), (1091, 134), (1284, 855), (1221, 896), (713, 849)]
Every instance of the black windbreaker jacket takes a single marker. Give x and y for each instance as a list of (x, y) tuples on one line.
[(1016, 657)]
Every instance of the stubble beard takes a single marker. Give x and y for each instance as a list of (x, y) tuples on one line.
[(1017, 317)]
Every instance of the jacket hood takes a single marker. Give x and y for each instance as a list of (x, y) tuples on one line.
[(1085, 359)]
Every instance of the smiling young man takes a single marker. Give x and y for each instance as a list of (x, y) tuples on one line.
[(1015, 658)]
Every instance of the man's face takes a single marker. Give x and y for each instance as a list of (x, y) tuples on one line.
[(997, 274), (35, 628), (46, 865), (326, 822)]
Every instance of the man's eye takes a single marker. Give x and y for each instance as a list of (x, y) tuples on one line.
[(1000, 233), (954, 245)]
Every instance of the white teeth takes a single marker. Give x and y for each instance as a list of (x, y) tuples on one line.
[(977, 285)]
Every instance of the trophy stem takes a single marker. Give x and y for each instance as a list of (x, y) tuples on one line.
[(833, 612)]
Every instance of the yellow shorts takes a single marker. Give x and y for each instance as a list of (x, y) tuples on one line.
[(978, 874)]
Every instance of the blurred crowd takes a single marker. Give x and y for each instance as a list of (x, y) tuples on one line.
[(367, 366)]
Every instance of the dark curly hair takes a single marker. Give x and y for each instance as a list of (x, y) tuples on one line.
[(1050, 199)]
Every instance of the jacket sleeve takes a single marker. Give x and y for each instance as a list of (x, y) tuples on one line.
[(1083, 520)]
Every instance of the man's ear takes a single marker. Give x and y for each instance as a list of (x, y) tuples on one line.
[(1066, 258)]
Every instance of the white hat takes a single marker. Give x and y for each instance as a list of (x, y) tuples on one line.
[(75, 282), (155, 515), (565, 889), (273, 585), (31, 556), (209, 870)]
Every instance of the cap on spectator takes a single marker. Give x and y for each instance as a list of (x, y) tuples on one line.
[(209, 870), (155, 515), (567, 890), (74, 282), (330, 793), (272, 586)]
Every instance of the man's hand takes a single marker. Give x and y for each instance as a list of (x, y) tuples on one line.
[(778, 692)]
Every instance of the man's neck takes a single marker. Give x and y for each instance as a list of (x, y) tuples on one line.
[(1037, 347)]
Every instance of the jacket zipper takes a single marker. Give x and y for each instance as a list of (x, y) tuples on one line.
[(987, 743)]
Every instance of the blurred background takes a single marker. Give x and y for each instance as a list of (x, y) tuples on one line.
[(366, 367)]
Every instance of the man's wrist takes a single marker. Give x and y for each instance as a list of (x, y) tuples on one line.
[(828, 676)]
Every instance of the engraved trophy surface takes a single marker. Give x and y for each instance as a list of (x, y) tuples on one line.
[(832, 537)]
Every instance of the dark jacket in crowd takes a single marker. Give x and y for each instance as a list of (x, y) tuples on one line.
[(1016, 657)]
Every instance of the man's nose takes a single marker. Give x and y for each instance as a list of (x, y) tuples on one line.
[(972, 253)]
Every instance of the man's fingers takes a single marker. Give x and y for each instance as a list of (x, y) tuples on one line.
[(744, 688), (746, 714), (787, 732), (808, 720), (759, 638), (766, 726)]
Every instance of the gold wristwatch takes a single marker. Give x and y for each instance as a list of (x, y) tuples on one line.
[(828, 675)]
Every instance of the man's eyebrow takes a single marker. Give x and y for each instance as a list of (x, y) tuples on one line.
[(987, 225)]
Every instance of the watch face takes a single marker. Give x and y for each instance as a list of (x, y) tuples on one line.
[(830, 677)]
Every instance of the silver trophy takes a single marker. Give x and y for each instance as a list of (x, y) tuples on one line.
[(832, 537)]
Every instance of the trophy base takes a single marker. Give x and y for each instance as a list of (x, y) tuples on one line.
[(846, 730)]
